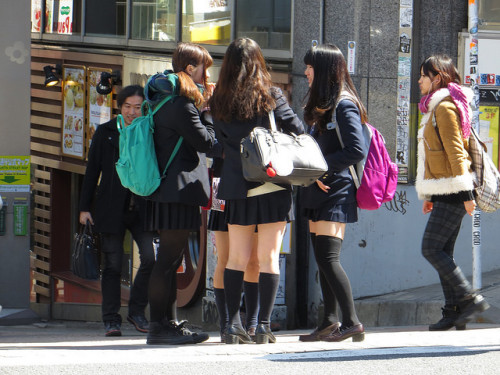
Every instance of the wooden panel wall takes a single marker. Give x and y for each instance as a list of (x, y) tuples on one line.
[(47, 159)]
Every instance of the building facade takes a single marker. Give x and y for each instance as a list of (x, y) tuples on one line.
[(384, 42)]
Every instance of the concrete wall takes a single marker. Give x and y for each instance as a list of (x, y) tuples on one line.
[(14, 141), (381, 253)]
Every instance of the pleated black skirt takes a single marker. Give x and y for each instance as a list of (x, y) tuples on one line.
[(339, 213), (261, 209), (163, 216), (217, 221)]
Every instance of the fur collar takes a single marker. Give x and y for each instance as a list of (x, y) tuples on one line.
[(438, 97)]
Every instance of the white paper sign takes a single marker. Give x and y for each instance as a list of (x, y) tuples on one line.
[(351, 57)]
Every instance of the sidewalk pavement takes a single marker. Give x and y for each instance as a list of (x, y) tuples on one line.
[(422, 306), (417, 306)]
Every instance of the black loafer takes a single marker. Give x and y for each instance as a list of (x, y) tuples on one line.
[(318, 333), (237, 335), (263, 334)]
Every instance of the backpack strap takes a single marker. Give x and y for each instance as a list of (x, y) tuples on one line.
[(172, 156), (160, 104), (120, 123), (344, 96), (354, 174)]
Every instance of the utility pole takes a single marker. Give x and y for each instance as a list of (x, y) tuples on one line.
[(474, 80)]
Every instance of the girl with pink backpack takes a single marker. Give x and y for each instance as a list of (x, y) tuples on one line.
[(330, 203)]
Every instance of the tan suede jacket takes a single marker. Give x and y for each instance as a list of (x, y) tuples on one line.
[(444, 164)]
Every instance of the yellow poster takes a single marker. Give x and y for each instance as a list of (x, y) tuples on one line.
[(488, 130), (14, 173)]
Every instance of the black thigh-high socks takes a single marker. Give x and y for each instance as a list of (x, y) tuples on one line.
[(268, 287), (162, 289), (233, 284), (328, 259), (329, 301), (220, 302), (251, 294)]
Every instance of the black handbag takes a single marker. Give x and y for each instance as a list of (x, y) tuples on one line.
[(85, 256), (268, 155)]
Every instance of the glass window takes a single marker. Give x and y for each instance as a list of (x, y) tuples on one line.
[(206, 21), (268, 22), (154, 19), (105, 18), (489, 14), (61, 16)]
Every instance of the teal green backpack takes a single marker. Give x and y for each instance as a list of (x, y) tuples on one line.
[(137, 166)]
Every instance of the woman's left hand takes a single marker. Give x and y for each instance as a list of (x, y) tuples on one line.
[(322, 186), (470, 206)]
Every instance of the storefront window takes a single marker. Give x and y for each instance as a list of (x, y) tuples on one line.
[(61, 16), (105, 18), (207, 21), (154, 19), (489, 14), (268, 22)]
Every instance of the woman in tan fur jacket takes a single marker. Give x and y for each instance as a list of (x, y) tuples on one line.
[(445, 183)]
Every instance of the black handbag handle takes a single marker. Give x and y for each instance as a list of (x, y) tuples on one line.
[(87, 229)]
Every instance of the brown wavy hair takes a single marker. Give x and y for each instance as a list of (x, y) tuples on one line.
[(331, 77), (244, 86), (191, 54)]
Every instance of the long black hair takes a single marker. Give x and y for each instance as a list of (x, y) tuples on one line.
[(330, 79)]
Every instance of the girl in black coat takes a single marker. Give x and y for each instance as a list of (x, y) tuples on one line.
[(331, 202), (175, 206), (241, 100)]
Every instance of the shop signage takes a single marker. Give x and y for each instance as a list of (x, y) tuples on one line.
[(20, 216), (99, 107), (65, 22), (488, 130), (73, 86), (14, 173)]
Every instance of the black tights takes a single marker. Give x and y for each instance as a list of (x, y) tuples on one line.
[(163, 281), (334, 281)]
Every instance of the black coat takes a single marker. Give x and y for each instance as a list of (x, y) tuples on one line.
[(233, 185), (111, 198), (187, 177), (338, 177)]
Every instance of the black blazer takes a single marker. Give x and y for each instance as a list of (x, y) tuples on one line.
[(338, 177), (187, 177), (233, 185), (111, 198)]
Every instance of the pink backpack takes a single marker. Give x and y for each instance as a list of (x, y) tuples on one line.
[(376, 176)]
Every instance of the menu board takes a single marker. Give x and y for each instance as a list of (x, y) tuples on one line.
[(99, 106), (73, 87)]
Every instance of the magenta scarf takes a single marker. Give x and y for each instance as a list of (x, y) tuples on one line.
[(460, 99), (424, 103)]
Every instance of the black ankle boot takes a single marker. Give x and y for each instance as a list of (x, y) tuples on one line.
[(450, 315), (470, 307)]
